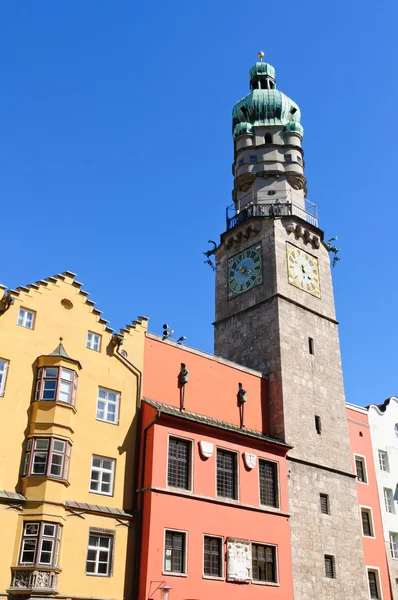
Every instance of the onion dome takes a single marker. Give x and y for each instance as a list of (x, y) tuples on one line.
[(265, 105)]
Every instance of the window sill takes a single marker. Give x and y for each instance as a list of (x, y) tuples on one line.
[(172, 574), (210, 578), (93, 349), (107, 422), (97, 575), (270, 583), (100, 494), (56, 403), (47, 478), (37, 568)]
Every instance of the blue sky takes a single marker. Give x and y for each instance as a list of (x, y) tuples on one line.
[(116, 152)]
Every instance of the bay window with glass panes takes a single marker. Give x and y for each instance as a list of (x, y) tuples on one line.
[(56, 384), (40, 544), (47, 457)]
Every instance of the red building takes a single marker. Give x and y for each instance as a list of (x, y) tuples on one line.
[(368, 503), (213, 484)]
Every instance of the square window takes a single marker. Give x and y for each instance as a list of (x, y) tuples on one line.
[(360, 469), (366, 518), (179, 463), (268, 476), (288, 158), (3, 375), (99, 554), (212, 556), (264, 563), (102, 475), (175, 551), (253, 159), (330, 570), (324, 501), (108, 405), (93, 341), (26, 318), (383, 461), (389, 500), (226, 474)]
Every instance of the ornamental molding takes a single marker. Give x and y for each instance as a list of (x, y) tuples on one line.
[(206, 449), (250, 460), (34, 580), (239, 560), (243, 234), (302, 232)]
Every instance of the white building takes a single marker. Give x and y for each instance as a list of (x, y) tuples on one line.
[(383, 421)]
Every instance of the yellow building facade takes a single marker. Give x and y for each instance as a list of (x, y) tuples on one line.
[(69, 392)]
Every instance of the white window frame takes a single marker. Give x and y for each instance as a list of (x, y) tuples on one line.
[(365, 469), (39, 538), (383, 461), (378, 580), (94, 341), (387, 500), (222, 576), (107, 402), (369, 510), (173, 573), (24, 316), (101, 470), (97, 549), (3, 375), (394, 544)]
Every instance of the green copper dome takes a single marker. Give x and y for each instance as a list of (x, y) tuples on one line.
[(265, 105)]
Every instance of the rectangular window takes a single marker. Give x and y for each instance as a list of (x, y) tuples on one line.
[(330, 570), (360, 469), (324, 501), (99, 554), (383, 461), (318, 424), (311, 345), (226, 474), (108, 405), (3, 375), (26, 318), (174, 551), (264, 563), (48, 457), (253, 159), (213, 556), (288, 158), (374, 587), (179, 463), (268, 475), (389, 500), (366, 522), (93, 341), (40, 544), (56, 384), (102, 475), (394, 544)]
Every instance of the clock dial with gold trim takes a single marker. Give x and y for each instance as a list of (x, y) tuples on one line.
[(303, 270), (244, 271)]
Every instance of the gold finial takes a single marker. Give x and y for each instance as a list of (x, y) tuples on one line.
[(261, 56)]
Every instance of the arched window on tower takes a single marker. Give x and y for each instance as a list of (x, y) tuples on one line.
[(268, 138)]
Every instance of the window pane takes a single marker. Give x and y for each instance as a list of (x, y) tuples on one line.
[(48, 392), (39, 463), (65, 389), (51, 372), (56, 465), (41, 444), (49, 530), (31, 528), (226, 474), (28, 551), (66, 374), (59, 446), (268, 490), (46, 552)]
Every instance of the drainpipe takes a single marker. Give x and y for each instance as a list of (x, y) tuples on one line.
[(136, 581)]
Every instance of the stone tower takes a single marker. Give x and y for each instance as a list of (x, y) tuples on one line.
[(275, 313)]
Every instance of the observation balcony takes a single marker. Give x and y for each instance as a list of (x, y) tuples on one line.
[(33, 580), (282, 204)]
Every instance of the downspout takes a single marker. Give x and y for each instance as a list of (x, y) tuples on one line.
[(137, 570)]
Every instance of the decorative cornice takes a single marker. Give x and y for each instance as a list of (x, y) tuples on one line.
[(304, 233)]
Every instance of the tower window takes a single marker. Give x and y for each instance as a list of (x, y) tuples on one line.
[(330, 570), (271, 193), (299, 159), (240, 162), (243, 110), (288, 158), (318, 424), (268, 138), (324, 501), (311, 345), (253, 159)]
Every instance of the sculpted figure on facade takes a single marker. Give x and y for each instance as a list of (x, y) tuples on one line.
[(239, 560)]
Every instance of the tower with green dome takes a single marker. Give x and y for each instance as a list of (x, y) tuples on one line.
[(275, 313), (268, 157)]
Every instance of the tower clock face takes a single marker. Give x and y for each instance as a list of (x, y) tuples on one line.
[(303, 271), (245, 271)]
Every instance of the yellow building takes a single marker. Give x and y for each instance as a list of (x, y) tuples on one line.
[(68, 396)]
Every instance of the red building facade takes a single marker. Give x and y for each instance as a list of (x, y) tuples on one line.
[(213, 485)]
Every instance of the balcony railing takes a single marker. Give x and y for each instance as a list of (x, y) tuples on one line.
[(257, 204), (33, 580)]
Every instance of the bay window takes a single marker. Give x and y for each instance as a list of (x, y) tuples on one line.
[(56, 384), (40, 544), (48, 457)]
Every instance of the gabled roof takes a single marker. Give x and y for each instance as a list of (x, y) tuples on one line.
[(188, 415)]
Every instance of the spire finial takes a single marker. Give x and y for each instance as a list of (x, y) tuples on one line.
[(60, 339), (261, 55)]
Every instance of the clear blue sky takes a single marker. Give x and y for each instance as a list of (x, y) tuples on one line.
[(116, 152)]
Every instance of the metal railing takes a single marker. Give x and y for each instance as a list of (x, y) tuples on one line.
[(260, 204)]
